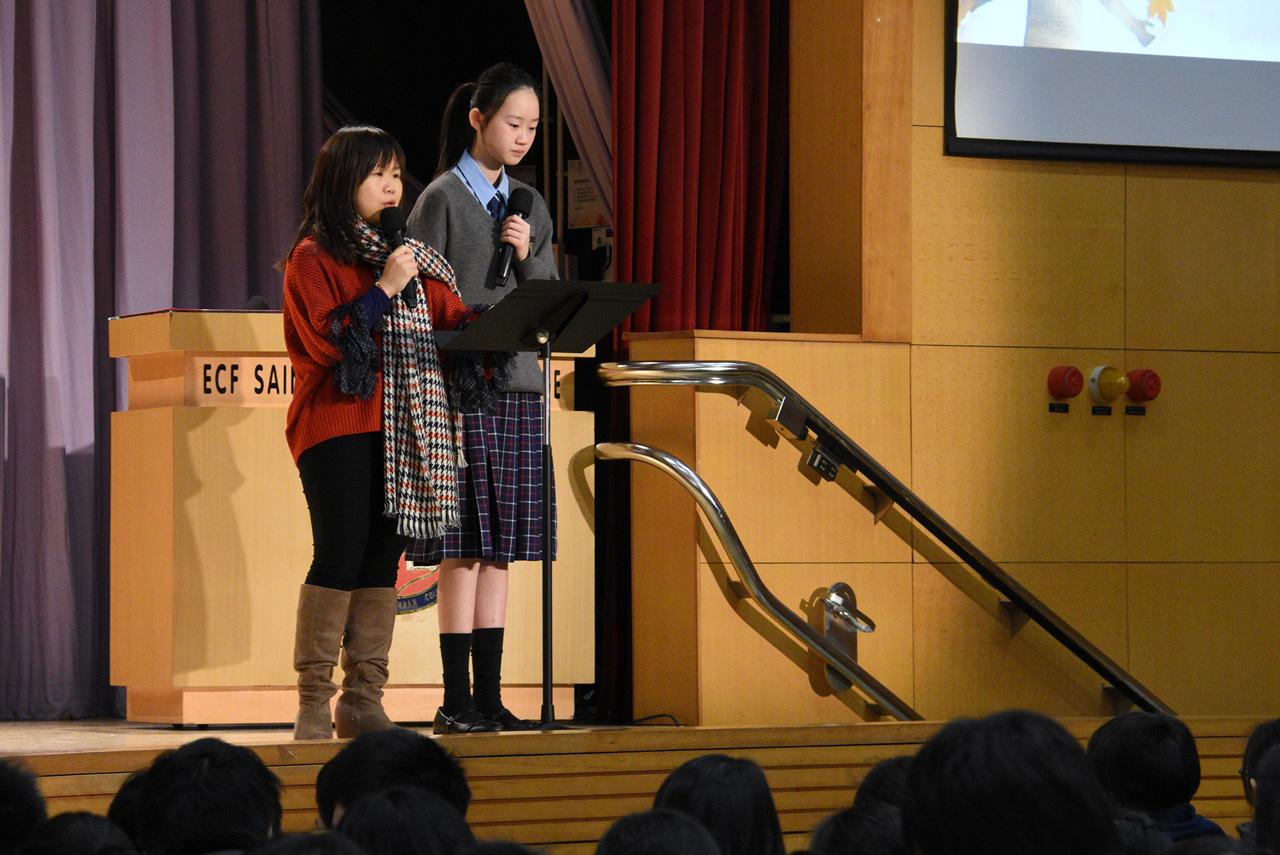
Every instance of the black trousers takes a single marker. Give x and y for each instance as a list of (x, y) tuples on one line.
[(354, 545)]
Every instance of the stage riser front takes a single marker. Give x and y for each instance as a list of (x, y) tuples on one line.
[(562, 791)]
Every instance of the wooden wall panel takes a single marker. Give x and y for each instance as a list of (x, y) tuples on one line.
[(780, 515), (1023, 484), (1202, 466), (886, 171), (826, 166), (967, 663), (1015, 252), (927, 65), (1202, 636), (747, 679), (664, 629), (1203, 259)]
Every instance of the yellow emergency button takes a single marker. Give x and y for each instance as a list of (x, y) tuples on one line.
[(1107, 383)]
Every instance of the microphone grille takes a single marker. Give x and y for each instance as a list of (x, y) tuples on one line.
[(521, 202), (393, 220)]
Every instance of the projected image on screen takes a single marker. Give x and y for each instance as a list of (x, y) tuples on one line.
[(1135, 77)]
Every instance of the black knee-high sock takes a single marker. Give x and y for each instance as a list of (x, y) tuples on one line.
[(486, 659), (455, 651)]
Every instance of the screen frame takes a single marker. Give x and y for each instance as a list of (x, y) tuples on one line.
[(956, 145)]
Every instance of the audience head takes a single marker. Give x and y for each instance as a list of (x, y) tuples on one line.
[(329, 843), (389, 758), (731, 798), (405, 821), (1263, 737), (874, 828), (205, 796), (21, 805), (1146, 761), (499, 847), (1210, 845), (124, 806), (1013, 782), (78, 833), (657, 832), (1266, 801), (886, 782)]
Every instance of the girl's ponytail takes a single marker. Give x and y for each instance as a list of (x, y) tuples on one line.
[(456, 132)]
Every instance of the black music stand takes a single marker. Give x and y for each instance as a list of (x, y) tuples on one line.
[(537, 314)]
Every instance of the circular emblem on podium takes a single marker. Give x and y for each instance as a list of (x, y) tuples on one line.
[(415, 587)]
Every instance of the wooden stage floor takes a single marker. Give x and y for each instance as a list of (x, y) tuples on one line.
[(560, 791)]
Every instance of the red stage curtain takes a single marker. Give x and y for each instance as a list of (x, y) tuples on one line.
[(698, 157)]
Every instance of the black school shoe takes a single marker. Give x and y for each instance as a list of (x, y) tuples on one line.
[(467, 721), (505, 719)]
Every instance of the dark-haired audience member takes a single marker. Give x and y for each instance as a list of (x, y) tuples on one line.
[(499, 847), (389, 758), (885, 782), (329, 843), (207, 796), (1011, 783), (1148, 762), (405, 821), (874, 828), (124, 805), (78, 833), (21, 805), (657, 832), (1212, 845), (1263, 737), (731, 798), (1266, 801)]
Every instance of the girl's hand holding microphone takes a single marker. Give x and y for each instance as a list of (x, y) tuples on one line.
[(398, 272)]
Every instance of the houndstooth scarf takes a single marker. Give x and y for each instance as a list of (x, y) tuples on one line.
[(422, 439)]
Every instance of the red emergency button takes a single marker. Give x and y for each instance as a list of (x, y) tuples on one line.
[(1065, 381), (1144, 385)]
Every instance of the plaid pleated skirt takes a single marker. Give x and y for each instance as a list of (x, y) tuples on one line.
[(499, 490)]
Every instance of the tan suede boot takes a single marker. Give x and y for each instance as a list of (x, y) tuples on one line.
[(321, 615), (370, 621)]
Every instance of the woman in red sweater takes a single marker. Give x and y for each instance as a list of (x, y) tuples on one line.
[(369, 425)]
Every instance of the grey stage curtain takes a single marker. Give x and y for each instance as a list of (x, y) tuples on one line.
[(576, 54), (117, 125)]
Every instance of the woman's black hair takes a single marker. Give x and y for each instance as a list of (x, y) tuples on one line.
[(1260, 741), (885, 783), (328, 843), (78, 833), (1146, 761), (406, 821), (657, 832), (871, 829), (1267, 801), (1010, 783), (329, 202), (487, 94), (731, 798)]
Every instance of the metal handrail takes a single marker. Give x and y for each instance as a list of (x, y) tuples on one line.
[(791, 413), (789, 620)]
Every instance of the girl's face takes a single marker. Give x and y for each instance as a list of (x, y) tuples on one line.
[(380, 189), (506, 137)]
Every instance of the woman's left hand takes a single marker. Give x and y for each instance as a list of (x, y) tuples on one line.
[(515, 231)]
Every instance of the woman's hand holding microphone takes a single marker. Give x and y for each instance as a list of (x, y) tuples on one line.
[(398, 271)]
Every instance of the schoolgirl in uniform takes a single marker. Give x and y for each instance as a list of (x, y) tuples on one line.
[(489, 126)]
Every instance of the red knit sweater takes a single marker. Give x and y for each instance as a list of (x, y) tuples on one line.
[(315, 283)]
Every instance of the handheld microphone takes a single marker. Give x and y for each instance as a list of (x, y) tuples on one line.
[(520, 205), (392, 224)]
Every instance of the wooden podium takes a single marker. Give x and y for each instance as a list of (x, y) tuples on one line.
[(210, 537)]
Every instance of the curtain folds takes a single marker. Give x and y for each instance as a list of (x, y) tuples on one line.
[(696, 152), (576, 56), (111, 204)]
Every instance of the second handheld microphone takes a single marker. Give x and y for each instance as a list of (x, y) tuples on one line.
[(520, 205)]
